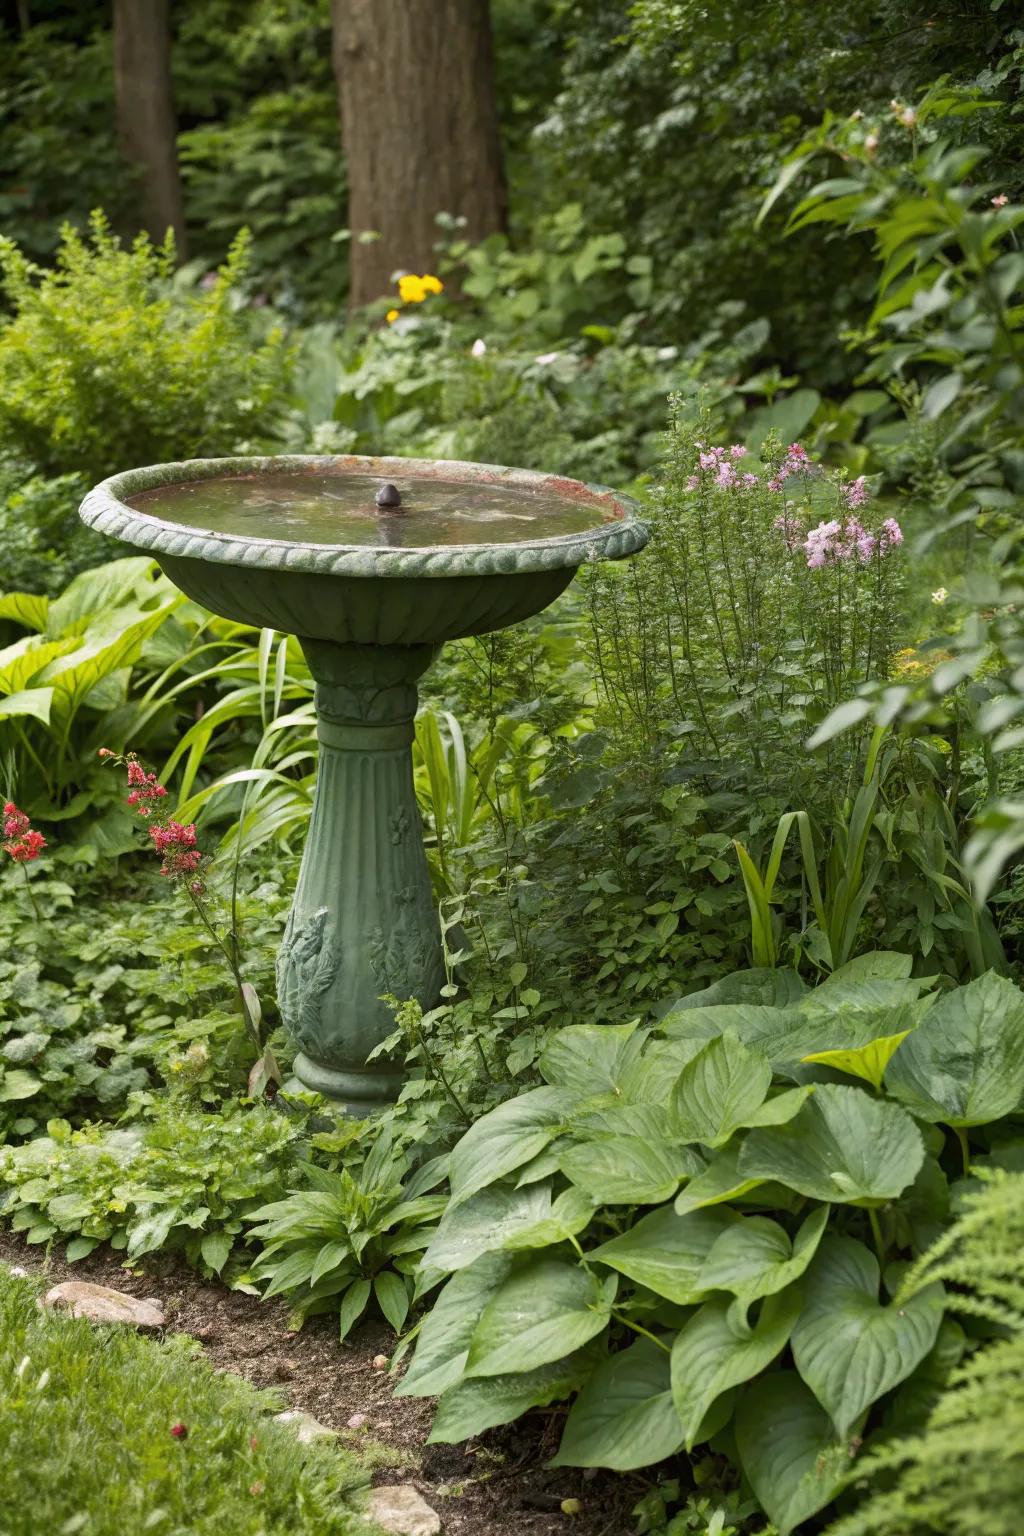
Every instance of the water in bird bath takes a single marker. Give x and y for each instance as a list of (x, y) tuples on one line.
[(339, 509)]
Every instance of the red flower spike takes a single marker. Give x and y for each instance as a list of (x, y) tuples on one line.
[(179, 1431)]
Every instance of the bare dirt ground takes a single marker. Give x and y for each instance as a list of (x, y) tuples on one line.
[(497, 1485)]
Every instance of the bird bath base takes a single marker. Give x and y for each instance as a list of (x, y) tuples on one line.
[(362, 924), (372, 584)]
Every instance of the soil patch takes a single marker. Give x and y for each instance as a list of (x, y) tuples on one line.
[(496, 1485)]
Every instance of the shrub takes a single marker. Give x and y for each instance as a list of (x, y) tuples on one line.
[(106, 362)]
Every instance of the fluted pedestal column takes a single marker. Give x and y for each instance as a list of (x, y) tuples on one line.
[(363, 921)]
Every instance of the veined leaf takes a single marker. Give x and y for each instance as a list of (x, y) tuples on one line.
[(483, 1222), (442, 1347), (507, 1138), (788, 1449), (843, 1146), (470, 1407), (626, 1170), (753, 1256), (868, 1062), (36, 702), (665, 1251), (591, 1058), (353, 1305), (715, 1350), (392, 1297), (543, 1311), (721, 1180), (718, 1090), (848, 1347), (624, 1417), (964, 1064)]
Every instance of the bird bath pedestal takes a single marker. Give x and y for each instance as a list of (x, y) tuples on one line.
[(372, 591)]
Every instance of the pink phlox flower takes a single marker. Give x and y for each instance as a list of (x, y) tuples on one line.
[(856, 493), (726, 475), (821, 542), (749, 479), (737, 451), (890, 536), (692, 482), (1000, 201), (711, 459), (789, 525)]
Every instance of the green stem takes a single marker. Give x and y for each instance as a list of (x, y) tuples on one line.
[(965, 1151), (876, 1232), (31, 893), (638, 1328)]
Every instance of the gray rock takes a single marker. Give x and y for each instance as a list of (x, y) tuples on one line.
[(100, 1304), (399, 1509), (305, 1426)]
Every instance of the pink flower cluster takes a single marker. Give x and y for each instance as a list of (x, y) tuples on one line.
[(834, 540), (796, 462), (21, 842), (720, 461), (175, 843)]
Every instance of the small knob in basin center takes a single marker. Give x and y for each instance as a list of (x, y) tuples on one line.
[(388, 496)]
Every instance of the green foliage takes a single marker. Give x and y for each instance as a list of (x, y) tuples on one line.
[(105, 362), (960, 1473), (780, 1193), (180, 1177), (86, 1438), (350, 1236)]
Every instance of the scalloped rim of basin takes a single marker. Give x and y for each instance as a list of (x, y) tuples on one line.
[(622, 534)]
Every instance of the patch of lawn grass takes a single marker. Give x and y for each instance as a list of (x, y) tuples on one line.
[(105, 1433)]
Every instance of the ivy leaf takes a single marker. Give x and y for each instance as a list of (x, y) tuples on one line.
[(480, 1403), (589, 1059), (624, 1417), (868, 1061), (964, 1064), (843, 1146), (721, 1180), (543, 1311), (665, 1251), (626, 1170), (788, 1449), (483, 1222), (848, 1347), (507, 1138), (442, 1348), (718, 1090), (715, 1351), (753, 1256)]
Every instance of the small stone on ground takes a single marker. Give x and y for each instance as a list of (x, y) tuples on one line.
[(304, 1424), (400, 1509), (101, 1304)]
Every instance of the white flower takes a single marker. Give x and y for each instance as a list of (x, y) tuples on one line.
[(478, 348), (939, 595), (547, 357)]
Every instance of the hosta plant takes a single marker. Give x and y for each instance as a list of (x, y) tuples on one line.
[(350, 1235), (695, 1231)]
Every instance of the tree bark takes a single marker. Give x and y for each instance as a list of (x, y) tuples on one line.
[(146, 119), (419, 126)]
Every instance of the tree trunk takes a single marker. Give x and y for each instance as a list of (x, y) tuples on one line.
[(146, 120), (419, 125)]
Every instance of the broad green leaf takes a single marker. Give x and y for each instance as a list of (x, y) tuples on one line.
[(392, 1297), (747, 1021), (624, 1417), (25, 608), (872, 992), (20, 662), (715, 1350), (571, 1211), (788, 1449), (442, 1348), (721, 1180), (591, 1058), (543, 1311), (868, 1062), (507, 1138), (782, 1035), (848, 1347), (843, 1146), (780, 1107), (36, 702), (97, 591), (470, 1407), (215, 1248), (718, 1090), (16, 1083), (353, 1305), (626, 1170), (876, 965), (753, 1257), (483, 1222), (665, 1251), (774, 987), (964, 1064)]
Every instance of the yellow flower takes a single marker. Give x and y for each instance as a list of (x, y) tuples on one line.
[(392, 316), (413, 289)]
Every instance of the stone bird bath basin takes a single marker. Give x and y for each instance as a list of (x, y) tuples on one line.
[(372, 592)]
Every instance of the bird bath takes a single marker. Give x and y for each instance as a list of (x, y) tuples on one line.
[(372, 592)]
